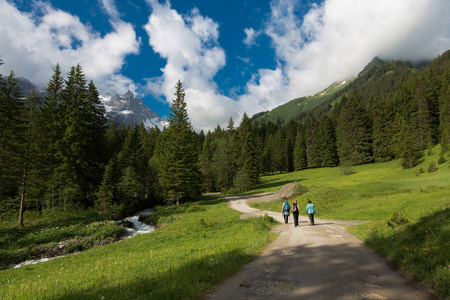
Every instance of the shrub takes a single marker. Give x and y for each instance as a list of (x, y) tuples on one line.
[(397, 219), (432, 167)]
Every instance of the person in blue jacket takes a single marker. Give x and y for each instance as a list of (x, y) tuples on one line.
[(311, 210), (286, 209)]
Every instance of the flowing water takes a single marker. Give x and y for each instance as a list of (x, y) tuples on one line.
[(138, 228)]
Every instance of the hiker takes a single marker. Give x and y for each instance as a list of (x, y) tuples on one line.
[(310, 210), (285, 213), (295, 212)]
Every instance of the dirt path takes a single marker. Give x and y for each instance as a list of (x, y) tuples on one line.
[(313, 262)]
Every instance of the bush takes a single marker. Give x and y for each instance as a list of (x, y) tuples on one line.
[(300, 190), (397, 219), (432, 167)]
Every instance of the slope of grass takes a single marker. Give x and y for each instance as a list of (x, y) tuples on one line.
[(181, 260), (54, 233), (289, 110), (420, 245)]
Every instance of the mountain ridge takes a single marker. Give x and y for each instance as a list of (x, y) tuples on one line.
[(126, 108)]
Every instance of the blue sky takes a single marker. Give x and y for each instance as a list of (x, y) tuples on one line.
[(232, 56)]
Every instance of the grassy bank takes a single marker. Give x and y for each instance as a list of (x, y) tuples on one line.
[(53, 234), (419, 245), (181, 260)]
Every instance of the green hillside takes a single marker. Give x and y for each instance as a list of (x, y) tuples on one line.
[(378, 78), (299, 106)]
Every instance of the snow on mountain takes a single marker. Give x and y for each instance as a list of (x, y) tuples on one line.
[(128, 109)]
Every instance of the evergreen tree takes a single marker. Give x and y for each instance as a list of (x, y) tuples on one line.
[(381, 120), (327, 142), (279, 155), (313, 155), (291, 132), (209, 177), (268, 165), (11, 135), (27, 160), (108, 200), (405, 144), (353, 133), (300, 150), (49, 129), (225, 157), (248, 175), (420, 116), (179, 175)]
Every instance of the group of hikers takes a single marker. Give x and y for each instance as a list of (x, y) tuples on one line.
[(310, 210)]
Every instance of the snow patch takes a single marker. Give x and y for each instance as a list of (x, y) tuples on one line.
[(126, 112)]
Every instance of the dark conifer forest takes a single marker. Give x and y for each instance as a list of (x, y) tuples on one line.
[(59, 151)]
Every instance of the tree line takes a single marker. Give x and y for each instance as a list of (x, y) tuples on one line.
[(59, 152)]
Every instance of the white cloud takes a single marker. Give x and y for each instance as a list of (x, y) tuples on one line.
[(32, 44), (250, 37), (110, 8), (194, 56), (337, 39)]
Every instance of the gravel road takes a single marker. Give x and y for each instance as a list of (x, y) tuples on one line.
[(313, 262)]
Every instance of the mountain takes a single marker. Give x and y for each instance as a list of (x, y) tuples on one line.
[(299, 107), (121, 109), (128, 109), (378, 78)]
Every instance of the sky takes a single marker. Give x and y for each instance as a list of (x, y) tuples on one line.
[(232, 56)]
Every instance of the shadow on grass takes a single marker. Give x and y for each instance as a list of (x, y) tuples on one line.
[(327, 272), (190, 281), (422, 248)]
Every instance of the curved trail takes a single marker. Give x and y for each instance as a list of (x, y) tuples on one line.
[(312, 262)]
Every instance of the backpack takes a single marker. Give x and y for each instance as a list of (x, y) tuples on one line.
[(286, 207), (294, 207)]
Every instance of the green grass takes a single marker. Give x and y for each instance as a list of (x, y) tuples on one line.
[(54, 233), (180, 260), (373, 193)]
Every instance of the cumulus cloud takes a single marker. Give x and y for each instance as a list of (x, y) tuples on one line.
[(337, 39), (194, 56), (250, 37), (33, 43)]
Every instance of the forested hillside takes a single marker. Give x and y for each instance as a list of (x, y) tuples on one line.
[(57, 151)]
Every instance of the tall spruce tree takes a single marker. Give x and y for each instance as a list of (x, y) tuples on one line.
[(381, 120), (206, 161), (420, 120), (225, 157), (313, 154), (354, 137), (28, 147), (49, 129), (11, 135), (179, 175), (247, 176), (300, 149), (327, 142)]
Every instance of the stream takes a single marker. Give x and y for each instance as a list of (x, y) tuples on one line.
[(138, 228)]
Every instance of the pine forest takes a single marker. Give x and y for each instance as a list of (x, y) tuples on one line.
[(59, 152)]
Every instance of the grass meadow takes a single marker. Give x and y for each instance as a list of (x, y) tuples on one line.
[(408, 211), (198, 245), (193, 251)]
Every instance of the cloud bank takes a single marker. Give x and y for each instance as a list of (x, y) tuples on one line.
[(32, 43)]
